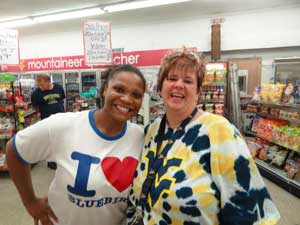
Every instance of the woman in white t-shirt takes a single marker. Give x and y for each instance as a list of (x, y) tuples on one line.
[(96, 152)]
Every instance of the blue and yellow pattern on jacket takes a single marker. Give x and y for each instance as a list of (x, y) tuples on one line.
[(208, 178)]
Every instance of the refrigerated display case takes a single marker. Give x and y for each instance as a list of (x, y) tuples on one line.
[(88, 80), (72, 89), (57, 78), (287, 70)]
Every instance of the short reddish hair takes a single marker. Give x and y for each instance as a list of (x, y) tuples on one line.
[(184, 59)]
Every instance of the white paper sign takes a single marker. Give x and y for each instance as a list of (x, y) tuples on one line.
[(97, 42), (9, 47)]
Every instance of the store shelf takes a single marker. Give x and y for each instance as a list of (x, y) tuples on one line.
[(281, 144), (212, 101), (295, 106), (277, 117), (278, 177), (221, 83), (273, 141)]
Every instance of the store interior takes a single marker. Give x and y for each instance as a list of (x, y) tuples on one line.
[(252, 76)]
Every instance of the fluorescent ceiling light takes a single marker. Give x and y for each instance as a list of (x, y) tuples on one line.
[(140, 4), (17, 23), (69, 15), (85, 12)]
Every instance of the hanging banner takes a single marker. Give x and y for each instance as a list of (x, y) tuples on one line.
[(9, 47), (97, 42), (144, 58)]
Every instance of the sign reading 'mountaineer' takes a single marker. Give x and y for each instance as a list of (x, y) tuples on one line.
[(97, 42), (9, 47)]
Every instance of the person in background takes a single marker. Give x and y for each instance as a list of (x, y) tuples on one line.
[(195, 167), (47, 99), (96, 152)]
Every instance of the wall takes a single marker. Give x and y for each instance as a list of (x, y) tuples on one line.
[(270, 28), (267, 55)]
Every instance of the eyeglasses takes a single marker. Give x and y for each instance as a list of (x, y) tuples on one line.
[(183, 52)]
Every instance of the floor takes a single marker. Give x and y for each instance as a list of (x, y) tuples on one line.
[(12, 211)]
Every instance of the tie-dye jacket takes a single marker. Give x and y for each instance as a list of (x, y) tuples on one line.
[(208, 177)]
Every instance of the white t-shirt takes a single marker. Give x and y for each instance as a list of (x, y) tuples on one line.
[(94, 171)]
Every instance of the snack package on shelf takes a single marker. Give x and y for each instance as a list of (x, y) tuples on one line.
[(262, 155), (292, 166), (220, 76), (288, 135), (279, 158), (288, 115), (297, 92), (6, 127), (254, 146), (256, 93), (209, 108), (252, 108), (272, 92), (208, 96), (264, 110), (272, 152), (266, 127), (209, 77), (219, 109), (2, 159), (275, 112), (287, 96), (215, 95), (255, 122)]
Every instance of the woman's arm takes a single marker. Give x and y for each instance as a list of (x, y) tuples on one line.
[(243, 195), (20, 173)]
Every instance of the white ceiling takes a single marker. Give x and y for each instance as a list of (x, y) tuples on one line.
[(10, 9)]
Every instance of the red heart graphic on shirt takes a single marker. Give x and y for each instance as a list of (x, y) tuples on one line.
[(119, 174)]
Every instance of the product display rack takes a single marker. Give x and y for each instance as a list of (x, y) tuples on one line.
[(278, 177), (212, 98), (8, 111), (21, 115), (274, 174)]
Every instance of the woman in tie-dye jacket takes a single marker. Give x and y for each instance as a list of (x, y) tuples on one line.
[(207, 176)]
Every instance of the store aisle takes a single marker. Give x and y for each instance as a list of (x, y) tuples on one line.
[(287, 204), (12, 211)]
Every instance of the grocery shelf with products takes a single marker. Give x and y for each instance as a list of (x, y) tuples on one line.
[(274, 133), (16, 111), (213, 91)]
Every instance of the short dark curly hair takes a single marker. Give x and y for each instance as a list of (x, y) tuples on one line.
[(182, 58)]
